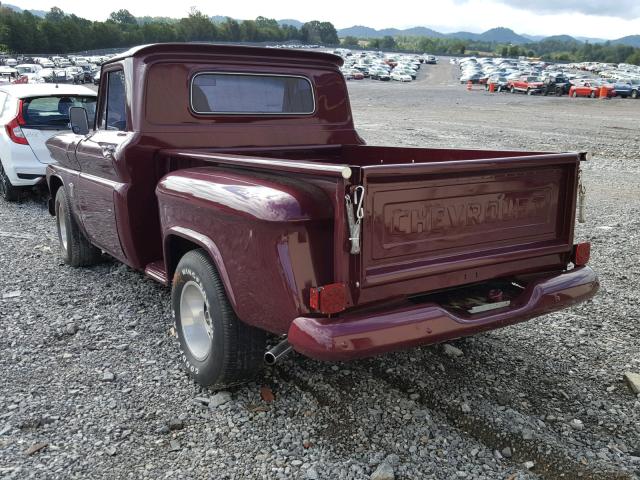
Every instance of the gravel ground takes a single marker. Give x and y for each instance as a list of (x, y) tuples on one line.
[(91, 385)]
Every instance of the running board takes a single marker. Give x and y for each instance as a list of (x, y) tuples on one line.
[(157, 272)]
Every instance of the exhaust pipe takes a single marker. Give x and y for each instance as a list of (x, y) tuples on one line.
[(278, 352)]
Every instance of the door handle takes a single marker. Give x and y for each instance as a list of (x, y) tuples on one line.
[(108, 150)]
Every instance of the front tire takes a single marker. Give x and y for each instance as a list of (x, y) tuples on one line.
[(7, 190), (216, 348), (75, 249)]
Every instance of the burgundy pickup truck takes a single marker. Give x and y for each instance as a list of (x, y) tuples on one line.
[(235, 176)]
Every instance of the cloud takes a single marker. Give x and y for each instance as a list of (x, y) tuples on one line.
[(626, 9)]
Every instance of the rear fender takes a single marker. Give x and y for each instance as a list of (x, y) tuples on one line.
[(269, 236), (204, 242)]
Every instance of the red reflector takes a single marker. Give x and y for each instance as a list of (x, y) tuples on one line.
[(581, 253), (329, 298), (314, 298)]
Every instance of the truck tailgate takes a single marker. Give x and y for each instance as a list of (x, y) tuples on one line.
[(458, 222)]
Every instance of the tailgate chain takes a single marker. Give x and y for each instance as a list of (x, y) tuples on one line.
[(355, 218), (582, 194)]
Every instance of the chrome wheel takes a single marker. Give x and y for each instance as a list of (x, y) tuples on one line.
[(62, 226), (195, 320)]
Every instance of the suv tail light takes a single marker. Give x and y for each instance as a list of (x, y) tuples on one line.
[(581, 253), (14, 128)]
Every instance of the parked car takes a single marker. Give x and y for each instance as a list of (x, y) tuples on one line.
[(470, 77), (267, 213), (500, 82), (556, 84), (527, 84), (28, 68), (87, 74), (76, 74), (588, 89), (400, 76), (96, 78), (56, 75), (31, 114), (406, 70), (379, 74), (31, 78), (629, 88), (353, 74), (8, 74), (635, 90)]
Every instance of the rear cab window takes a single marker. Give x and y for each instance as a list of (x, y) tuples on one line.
[(52, 112), (255, 94)]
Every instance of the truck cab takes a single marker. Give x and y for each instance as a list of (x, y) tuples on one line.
[(235, 176)]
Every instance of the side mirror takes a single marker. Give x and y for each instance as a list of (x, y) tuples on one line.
[(79, 120)]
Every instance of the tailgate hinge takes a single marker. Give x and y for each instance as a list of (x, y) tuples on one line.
[(354, 218)]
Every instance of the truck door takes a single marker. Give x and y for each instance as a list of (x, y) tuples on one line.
[(99, 183)]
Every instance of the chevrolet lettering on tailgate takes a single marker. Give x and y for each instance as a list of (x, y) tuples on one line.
[(454, 214)]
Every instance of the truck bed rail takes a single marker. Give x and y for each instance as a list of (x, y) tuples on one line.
[(264, 163)]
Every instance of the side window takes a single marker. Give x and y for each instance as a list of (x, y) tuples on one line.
[(114, 115)]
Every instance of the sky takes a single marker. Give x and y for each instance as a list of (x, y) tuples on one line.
[(582, 18)]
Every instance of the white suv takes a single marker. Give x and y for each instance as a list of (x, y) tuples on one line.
[(29, 115)]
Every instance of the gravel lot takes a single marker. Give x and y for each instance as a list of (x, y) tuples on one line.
[(90, 373)]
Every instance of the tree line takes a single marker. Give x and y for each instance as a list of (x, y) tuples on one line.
[(59, 32), (553, 49)]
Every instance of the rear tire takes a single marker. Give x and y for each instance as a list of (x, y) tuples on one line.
[(216, 348), (7, 191), (75, 249)]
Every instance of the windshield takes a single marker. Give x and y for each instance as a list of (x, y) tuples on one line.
[(25, 69), (53, 112)]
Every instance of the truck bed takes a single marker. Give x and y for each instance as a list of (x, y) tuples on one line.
[(433, 218)]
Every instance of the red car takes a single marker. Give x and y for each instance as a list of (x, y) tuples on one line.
[(592, 90), (527, 84)]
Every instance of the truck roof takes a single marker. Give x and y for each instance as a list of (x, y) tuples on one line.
[(26, 90), (234, 50)]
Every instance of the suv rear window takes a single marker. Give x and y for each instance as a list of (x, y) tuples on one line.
[(53, 112), (237, 93)]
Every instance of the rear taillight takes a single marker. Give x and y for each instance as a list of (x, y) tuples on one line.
[(581, 253), (14, 128), (328, 299)]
